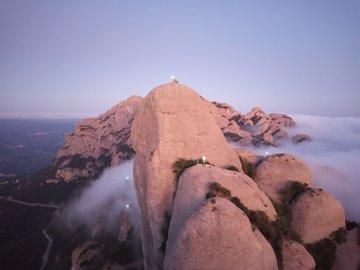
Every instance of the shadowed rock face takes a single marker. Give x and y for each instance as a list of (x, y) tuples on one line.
[(174, 122), (348, 253), (88, 253), (275, 171), (98, 143), (316, 214), (220, 236), (194, 184), (296, 257), (299, 138)]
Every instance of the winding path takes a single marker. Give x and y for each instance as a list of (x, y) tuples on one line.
[(45, 256), (11, 199)]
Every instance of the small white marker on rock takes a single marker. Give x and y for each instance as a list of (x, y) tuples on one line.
[(173, 78)]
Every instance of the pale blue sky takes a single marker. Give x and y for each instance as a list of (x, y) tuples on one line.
[(74, 58)]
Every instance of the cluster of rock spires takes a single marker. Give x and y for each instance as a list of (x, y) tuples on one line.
[(104, 141), (98, 143), (237, 210)]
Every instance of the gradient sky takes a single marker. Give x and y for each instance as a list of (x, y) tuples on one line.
[(75, 58)]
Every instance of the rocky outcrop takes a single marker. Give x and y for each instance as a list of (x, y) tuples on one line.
[(174, 122), (296, 257), (348, 253), (220, 236), (126, 225), (88, 253), (277, 170), (255, 127), (223, 113), (194, 185), (316, 214), (298, 138), (248, 156), (98, 143)]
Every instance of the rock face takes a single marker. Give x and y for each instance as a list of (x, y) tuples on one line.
[(275, 171), (298, 138), (126, 226), (249, 156), (296, 257), (98, 142), (174, 122), (88, 253), (217, 236), (316, 214), (194, 184), (348, 254), (255, 127)]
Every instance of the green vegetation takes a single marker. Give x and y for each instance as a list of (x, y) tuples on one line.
[(352, 225), (283, 221), (339, 236), (182, 164), (217, 190), (288, 194), (292, 191), (232, 168), (324, 253), (248, 168)]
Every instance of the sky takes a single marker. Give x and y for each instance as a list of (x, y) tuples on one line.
[(78, 58)]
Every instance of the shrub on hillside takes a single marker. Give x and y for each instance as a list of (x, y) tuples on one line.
[(232, 168), (323, 252), (247, 167), (292, 191)]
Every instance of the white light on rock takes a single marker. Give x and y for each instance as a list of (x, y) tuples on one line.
[(127, 206), (172, 77)]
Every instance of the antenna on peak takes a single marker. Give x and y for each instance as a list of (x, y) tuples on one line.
[(173, 79)]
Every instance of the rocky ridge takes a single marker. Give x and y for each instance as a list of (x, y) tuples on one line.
[(253, 128), (98, 143), (185, 226), (191, 205), (173, 122)]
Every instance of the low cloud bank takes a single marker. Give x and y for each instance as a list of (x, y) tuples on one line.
[(104, 200), (333, 154)]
